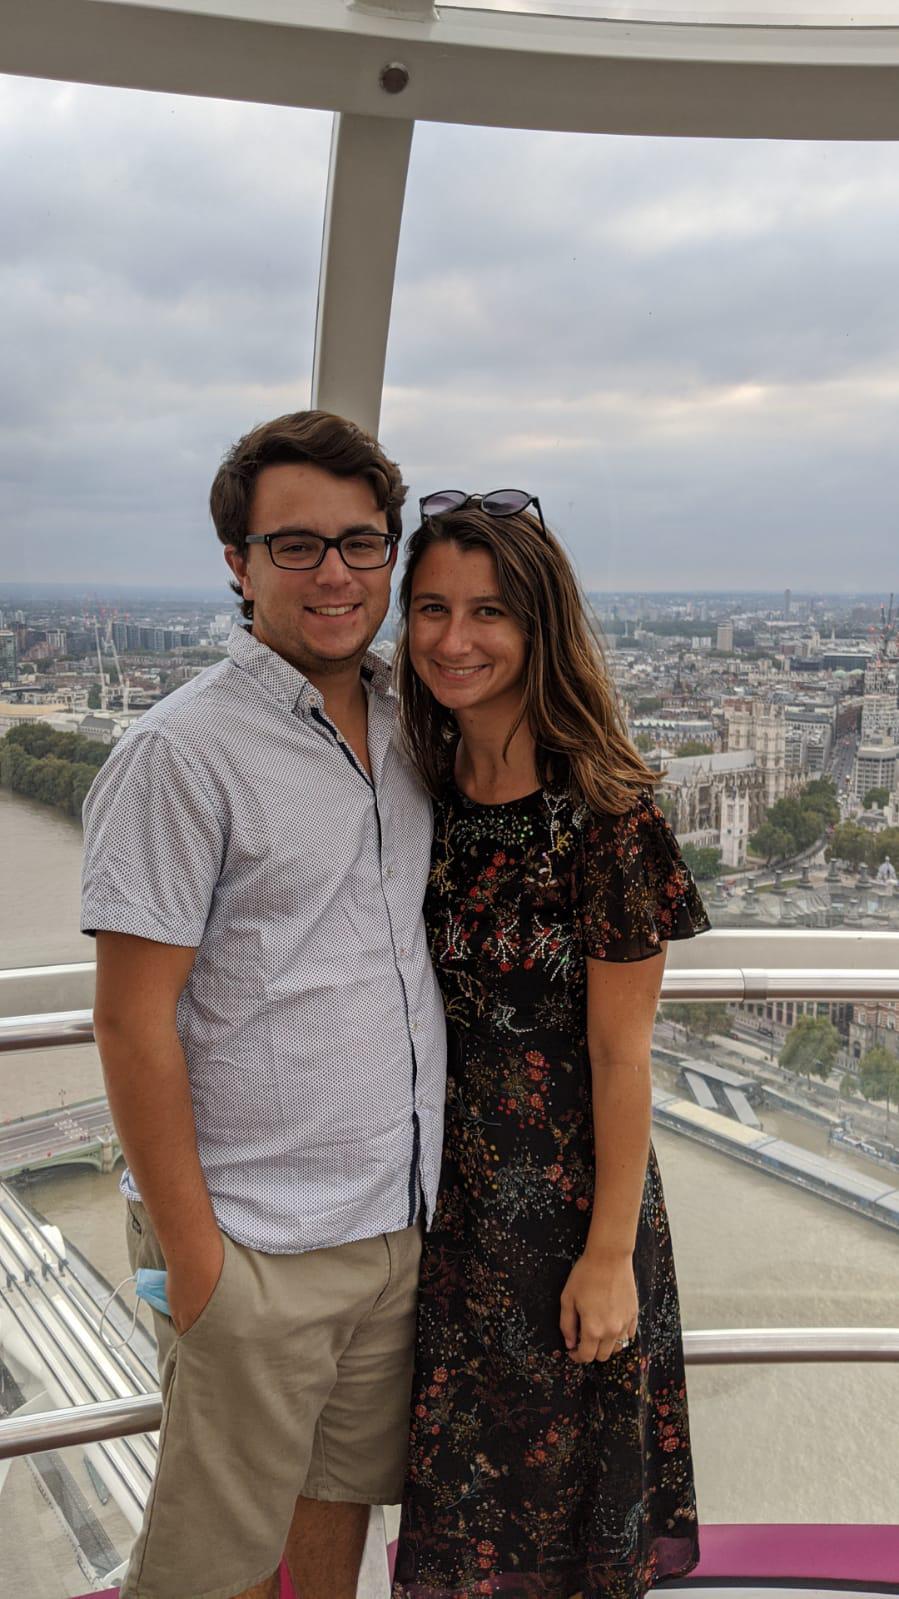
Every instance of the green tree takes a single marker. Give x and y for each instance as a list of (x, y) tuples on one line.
[(644, 742), (821, 795), (647, 706), (802, 824), (876, 796), (771, 842), (883, 844), (94, 698), (703, 861), (802, 817), (811, 1047), (851, 843), (82, 778), (878, 1076), (55, 768), (697, 1017), (693, 746)]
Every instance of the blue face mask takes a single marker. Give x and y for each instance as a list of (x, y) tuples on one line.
[(150, 1286)]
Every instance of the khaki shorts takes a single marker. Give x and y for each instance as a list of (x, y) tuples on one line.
[(294, 1380)]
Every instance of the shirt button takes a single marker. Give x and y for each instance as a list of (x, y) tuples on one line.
[(414, 1027), (388, 871), (403, 952)]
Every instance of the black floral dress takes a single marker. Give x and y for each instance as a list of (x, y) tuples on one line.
[(531, 1476)]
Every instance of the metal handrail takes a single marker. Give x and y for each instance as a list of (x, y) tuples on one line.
[(48, 1029), (120, 1418)]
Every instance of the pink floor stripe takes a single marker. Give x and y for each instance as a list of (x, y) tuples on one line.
[(791, 1553), (848, 1554)]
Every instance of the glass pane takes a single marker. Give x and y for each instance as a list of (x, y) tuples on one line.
[(766, 1440), (775, 1224), (68, 1517), (658, 340), (753, 1151), (159, 298)]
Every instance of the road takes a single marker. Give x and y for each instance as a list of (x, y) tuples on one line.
[(842, 761)]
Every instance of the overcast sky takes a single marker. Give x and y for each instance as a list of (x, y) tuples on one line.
[(688, 349)]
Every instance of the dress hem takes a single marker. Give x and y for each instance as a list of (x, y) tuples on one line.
[(510, 1584)]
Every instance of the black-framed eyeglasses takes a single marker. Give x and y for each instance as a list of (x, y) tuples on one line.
[(364, 550), (499, 502)]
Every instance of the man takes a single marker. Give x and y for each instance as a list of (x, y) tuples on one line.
[(256, 853)]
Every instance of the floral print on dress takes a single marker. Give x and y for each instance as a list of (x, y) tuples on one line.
[(529, 1476)]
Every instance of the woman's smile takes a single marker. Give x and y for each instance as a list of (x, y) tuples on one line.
[(457, 607)]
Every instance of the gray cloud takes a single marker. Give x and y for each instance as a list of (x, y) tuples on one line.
[(689, 349)]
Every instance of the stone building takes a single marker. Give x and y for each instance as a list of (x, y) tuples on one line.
[(760, 725), (716, 801), (874, 1023)]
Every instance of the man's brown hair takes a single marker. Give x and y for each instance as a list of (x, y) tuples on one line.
[(317, 438)]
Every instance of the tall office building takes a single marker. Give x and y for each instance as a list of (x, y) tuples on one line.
[(880, 707), (9, 658)]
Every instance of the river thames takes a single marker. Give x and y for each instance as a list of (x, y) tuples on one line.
[(816, 1443)]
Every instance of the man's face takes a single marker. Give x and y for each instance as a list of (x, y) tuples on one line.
[(294, 612)]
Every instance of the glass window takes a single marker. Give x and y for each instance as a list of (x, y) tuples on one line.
[(689, 349), (774, 1176), (159, 286), (68, 1517)]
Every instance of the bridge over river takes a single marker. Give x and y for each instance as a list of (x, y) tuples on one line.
[(80, 1134)]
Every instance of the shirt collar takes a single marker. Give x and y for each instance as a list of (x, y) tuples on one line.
[(284, 681)]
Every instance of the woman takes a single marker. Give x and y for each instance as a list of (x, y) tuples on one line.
[(549, 1451)]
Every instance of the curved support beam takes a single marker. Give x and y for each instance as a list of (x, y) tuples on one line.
[(494, 68), (363, 215)]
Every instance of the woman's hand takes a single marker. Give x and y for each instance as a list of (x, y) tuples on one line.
[(599, 1306)]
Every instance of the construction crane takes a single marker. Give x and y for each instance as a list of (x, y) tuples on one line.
[(889, 628), (123, 681), (104, 682)]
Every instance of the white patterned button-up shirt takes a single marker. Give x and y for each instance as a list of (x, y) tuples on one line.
[(233, 818)]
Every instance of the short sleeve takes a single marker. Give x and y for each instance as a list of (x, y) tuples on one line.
[(154, 845), (637, 892)]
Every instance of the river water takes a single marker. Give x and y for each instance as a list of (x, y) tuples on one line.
[(812, 1443)]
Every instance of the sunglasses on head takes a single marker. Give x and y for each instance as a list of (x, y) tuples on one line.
[(499, 502)]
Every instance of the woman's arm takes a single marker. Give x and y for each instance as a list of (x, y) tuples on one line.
[(599, 1302)]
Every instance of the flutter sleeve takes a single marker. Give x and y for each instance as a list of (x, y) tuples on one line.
[(637, 893)]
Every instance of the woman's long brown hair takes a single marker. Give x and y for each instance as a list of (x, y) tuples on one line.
[(569, 701)]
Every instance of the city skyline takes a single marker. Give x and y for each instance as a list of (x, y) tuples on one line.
[(10, 592)]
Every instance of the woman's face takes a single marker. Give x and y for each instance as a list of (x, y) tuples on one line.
[(463, 642)]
